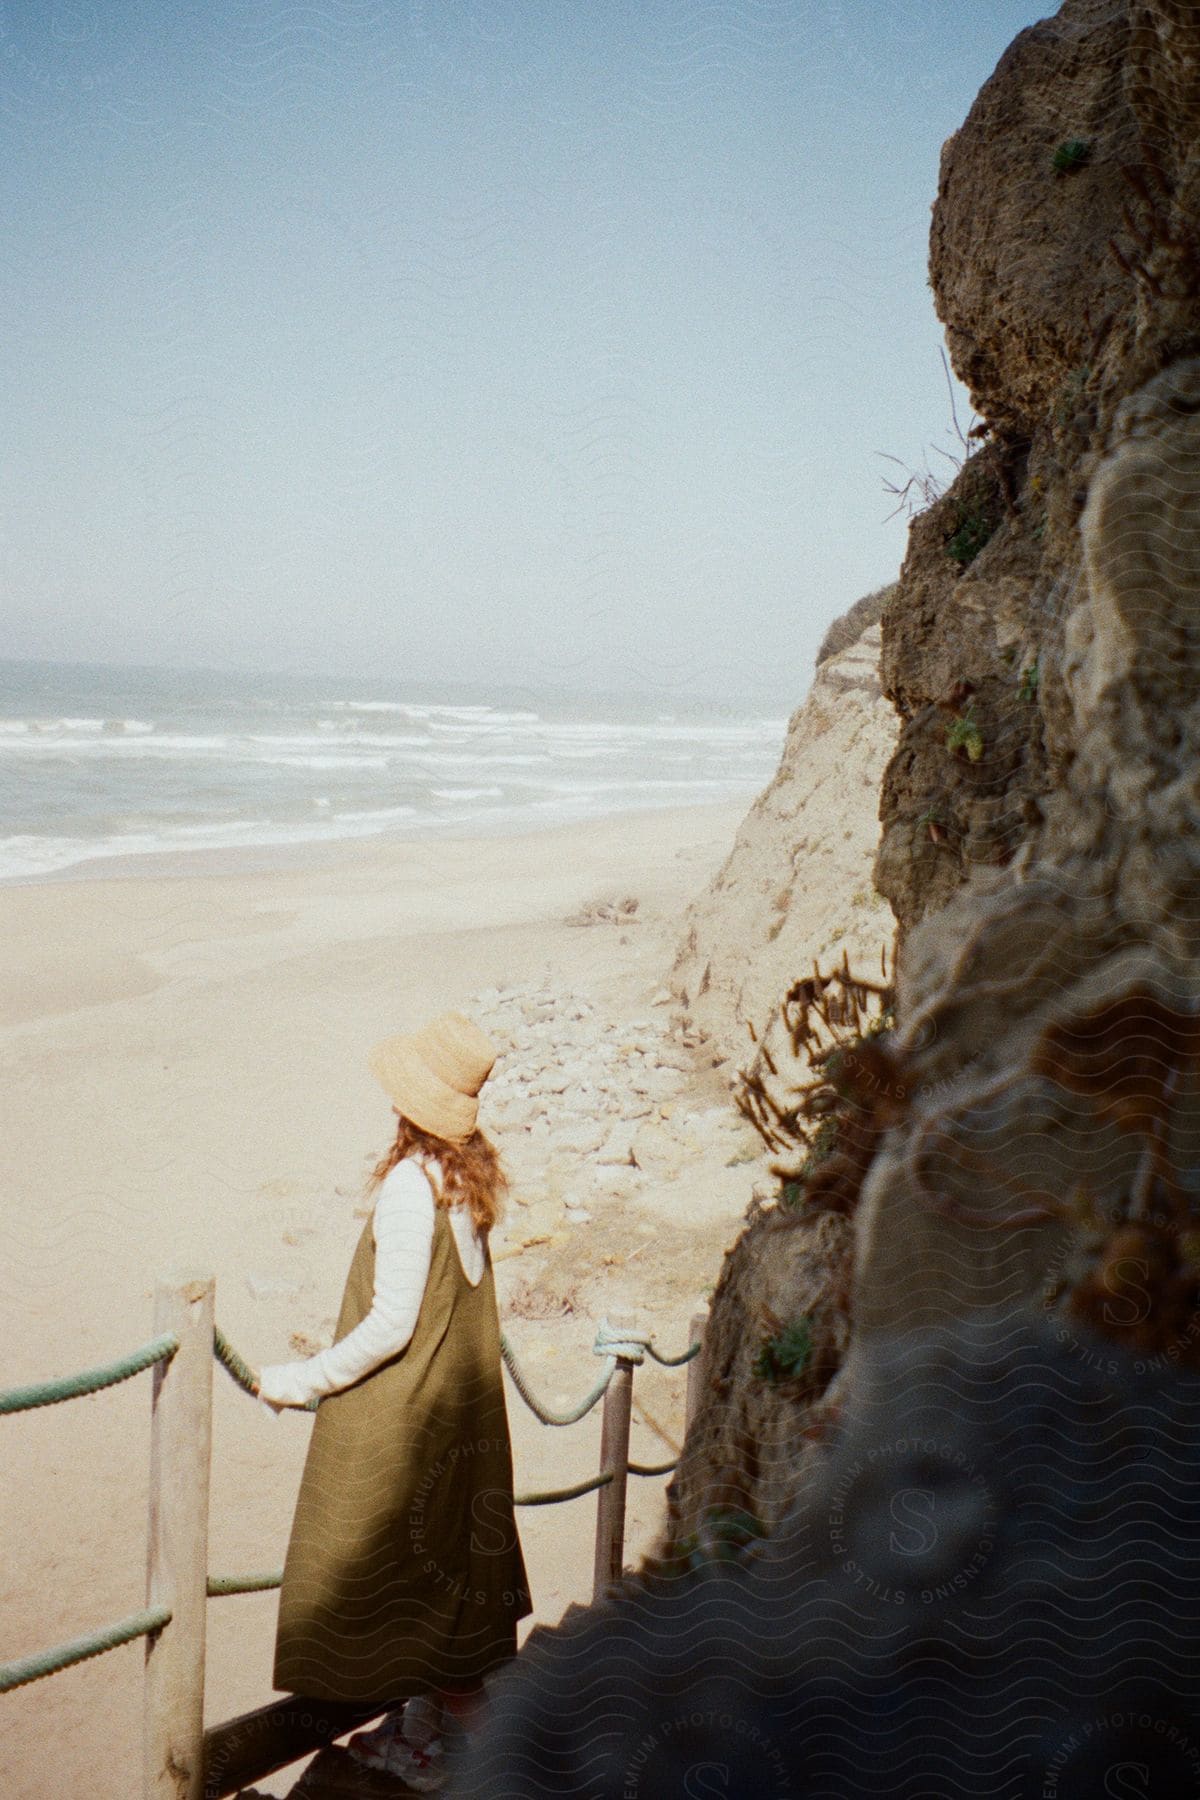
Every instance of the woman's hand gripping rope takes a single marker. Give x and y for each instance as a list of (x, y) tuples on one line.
[(277, 1387)]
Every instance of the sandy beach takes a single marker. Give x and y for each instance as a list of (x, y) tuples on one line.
[(185, 1087)]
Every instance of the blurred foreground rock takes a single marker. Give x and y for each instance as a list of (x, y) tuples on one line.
[(992, 1588)]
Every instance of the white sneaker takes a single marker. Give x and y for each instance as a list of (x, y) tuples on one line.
[(370, 1747), (422, 1720), (423, 1770)]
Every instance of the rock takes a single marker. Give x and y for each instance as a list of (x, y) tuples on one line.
[(769, 909), (603, 913), (615, 1181), (657, 1150), (1085, 942), (1017, 331), (541, 1214), (1026, 707), (741, 1448), (655, 1084), (579, 1139), (542, 1299), (1051, 325), (618, 1143)]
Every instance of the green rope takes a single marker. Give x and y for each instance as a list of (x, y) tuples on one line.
[(237, 1366), (49, 1662), (572, 1493), (254, 1584), (586, 1487), (673, 1362), (573, 1414), (241, 1372), (231, 1362), (242, 1584), (70, 1387)]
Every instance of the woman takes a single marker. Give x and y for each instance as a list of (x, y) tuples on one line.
[(404, 1575)]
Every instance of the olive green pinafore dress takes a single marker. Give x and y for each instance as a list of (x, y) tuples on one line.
[(404, 1571)]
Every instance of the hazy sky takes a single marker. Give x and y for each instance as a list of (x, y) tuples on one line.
[(530, 339)]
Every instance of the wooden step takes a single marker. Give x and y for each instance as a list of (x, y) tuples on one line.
[(335, 1775), (541, 1634), (239, 1752)]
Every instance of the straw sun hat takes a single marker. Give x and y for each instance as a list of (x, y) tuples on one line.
[(434, 1075)]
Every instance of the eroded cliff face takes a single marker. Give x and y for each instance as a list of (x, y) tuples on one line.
[(1038, 1103), (794, 890), (797, 884)]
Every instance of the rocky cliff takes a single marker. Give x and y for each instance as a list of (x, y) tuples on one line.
[(1031, 1116), (1063, 266), (797, 884), (795, 889), (1019, 1146)]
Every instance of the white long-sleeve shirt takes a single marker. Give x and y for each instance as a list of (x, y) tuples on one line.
[(402, 1224)]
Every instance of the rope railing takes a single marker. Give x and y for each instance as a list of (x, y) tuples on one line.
[(122, 1631), (673, 1362), (236, 1366), (610, 1344), (92, 1381), (621, 1347), (89, 1381), (62, 1656), (538, 1408), (220, 1585)]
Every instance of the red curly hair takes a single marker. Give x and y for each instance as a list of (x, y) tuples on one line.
[(471, 1172)]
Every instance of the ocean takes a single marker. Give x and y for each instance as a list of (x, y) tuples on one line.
[(100, 762)]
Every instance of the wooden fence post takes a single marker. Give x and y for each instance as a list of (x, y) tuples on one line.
[(610, 1499), (177, 1557), (696, 1330)]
